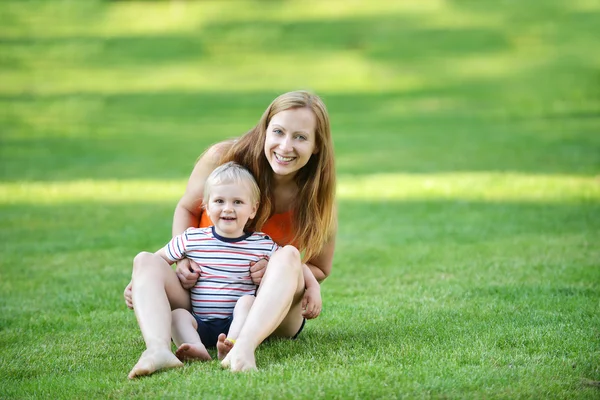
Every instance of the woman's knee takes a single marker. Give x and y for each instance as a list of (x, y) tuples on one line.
[(288, 257), (144, 262)]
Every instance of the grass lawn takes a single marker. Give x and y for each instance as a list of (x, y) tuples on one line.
[(467, 138)]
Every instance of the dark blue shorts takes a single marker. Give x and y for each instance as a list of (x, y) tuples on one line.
[(209, 330)]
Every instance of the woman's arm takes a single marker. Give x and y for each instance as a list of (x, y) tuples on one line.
[(314, 273), (320, 265)]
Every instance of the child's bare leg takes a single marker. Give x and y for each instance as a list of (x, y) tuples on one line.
[(185, 335), (155, 290), (240, 312)]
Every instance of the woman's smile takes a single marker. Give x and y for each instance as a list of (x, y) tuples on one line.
[(283, 159)]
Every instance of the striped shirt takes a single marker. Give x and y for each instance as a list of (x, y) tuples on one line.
[(224, 267)]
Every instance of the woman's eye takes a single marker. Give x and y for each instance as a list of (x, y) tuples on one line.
[(301, 137), (277, 131)]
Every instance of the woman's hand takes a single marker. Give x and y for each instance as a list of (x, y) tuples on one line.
[(311, 302), (188, 273), (257, 270), (127, 295)]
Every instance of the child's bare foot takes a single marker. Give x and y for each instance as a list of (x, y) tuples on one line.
[(223, 346), (192, 352), (240, 358), (152, 361)]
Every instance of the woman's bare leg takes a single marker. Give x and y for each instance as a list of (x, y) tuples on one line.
[(275, 309), (184, 328), (156, 290), (240, 313)]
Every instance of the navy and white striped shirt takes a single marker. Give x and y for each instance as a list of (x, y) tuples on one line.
[(224, 264)]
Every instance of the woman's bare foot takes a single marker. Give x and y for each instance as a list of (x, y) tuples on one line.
[(223, 346), (192, 352), (152, 361), (240, 358)]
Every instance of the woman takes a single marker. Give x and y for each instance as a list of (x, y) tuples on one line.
[(290, 153)]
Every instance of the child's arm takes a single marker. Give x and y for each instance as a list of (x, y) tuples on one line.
[(163, 254), (175, 250)]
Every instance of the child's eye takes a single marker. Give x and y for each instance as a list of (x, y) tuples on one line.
[(238, 202)]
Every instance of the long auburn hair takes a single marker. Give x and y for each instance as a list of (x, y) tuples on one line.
[(314, 207)]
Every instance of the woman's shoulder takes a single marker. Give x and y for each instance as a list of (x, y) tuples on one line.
[(205, 164), (216, 151)]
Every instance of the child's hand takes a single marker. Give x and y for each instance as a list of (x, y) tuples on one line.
[(311, 302)]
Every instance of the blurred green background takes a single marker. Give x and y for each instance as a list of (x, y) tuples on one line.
[(467, 140), (138, 89)]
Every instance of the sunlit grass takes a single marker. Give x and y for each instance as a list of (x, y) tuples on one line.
[(492, 187), (340, 72)]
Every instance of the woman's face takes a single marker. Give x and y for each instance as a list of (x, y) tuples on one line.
[(290, 140)]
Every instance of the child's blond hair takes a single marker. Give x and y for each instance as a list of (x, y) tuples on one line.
[(231, 172)]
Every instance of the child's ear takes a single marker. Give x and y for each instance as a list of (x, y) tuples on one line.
[(254, 210)]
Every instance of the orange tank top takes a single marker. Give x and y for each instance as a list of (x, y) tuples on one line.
[(279, 227)]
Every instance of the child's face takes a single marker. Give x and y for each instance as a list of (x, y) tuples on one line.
[(230, 207)]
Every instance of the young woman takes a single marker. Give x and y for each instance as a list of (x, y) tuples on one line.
[(290, 153)]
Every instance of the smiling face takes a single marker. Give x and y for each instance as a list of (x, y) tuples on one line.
[(229, 207), (290, 140)]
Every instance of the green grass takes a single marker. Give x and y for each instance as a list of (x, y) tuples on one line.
[(466, 134)]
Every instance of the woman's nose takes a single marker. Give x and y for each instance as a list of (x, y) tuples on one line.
[(286, 144)]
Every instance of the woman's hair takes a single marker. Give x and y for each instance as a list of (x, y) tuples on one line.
[(231, 172), (313, 217)]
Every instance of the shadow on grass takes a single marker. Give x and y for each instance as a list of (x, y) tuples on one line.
[(48, 251), (109, 52), (91, 136), (461, 222)]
